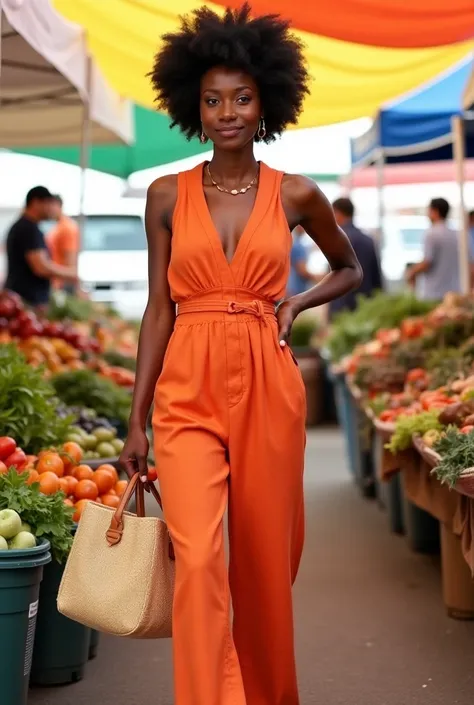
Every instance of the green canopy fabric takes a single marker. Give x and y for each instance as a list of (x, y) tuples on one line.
[(155, 144)]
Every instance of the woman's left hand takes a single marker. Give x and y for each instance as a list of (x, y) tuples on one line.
[(286, 315)]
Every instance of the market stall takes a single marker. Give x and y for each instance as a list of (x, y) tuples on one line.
[(414, 381)]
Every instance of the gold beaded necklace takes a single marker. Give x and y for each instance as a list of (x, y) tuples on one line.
[(234, 191)]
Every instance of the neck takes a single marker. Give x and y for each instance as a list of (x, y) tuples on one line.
[(233, 168)]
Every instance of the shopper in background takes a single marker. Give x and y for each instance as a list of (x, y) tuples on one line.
[(366, 252), (30, 268), (63, 244), (300, 278), (440, 265)]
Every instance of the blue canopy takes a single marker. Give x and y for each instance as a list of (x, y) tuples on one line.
[(417, 127)]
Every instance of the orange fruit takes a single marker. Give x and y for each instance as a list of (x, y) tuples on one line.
[(71, 455), (104, 481), (111, 469), (120, 487), (64, 485), (79, 508), (98, 500), (83, 472), (49, 482), (71, 484), (110, 500), (68, 502), (50, 462), (32, 459), (33, 476), (86, 489)]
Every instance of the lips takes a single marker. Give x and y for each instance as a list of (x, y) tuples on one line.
[(229, 131)]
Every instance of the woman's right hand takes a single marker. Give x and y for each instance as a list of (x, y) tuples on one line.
[(134, 456)]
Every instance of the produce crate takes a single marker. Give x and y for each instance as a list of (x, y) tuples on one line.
[(61, 648), (344, 404), (21, 573)]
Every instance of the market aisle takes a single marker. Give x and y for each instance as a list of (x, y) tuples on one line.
[(371, 628)]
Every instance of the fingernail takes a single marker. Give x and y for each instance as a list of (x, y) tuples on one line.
[(143, 479), (282, 343)]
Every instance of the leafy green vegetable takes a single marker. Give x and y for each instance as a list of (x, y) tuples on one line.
[(116, 359), (351, 328), (408, 426), (379, 403), (457, 454), (47, 515), (87, 389), (28, 404)]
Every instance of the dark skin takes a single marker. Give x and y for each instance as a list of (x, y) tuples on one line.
[(230, 113)]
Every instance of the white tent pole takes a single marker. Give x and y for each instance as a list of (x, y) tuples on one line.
[(85, 144), (464, 248), (380, 164)]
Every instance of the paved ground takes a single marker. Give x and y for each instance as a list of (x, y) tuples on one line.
[(371, 629)]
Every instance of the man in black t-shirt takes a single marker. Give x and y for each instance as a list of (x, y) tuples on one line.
[(30, 268)]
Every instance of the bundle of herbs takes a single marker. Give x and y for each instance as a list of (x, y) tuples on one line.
[(28, 404), (457, 454)]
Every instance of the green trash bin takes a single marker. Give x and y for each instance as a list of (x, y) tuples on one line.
[(94, 643), (61, 645), (21, 573)]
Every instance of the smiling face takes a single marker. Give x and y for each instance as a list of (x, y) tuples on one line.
[(230, 108)]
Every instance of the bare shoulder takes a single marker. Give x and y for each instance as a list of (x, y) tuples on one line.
[(166, 188), (300, 189)]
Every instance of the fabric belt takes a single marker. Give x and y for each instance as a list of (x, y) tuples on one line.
[(257, 308)]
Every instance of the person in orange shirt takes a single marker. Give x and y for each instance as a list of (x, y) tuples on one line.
[(63, 244)]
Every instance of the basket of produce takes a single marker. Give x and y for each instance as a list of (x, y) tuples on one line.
[(455, 467)]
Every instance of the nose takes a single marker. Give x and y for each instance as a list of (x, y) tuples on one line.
[(228, 111)]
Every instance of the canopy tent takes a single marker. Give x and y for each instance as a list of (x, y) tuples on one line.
[(348, 80), (418, 126), (46, 76), (383, 23), (468, 97), (154, 144)]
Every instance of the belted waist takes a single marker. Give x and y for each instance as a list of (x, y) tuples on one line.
[(257, 307)]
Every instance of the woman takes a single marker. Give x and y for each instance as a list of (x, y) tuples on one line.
[(229, 406)]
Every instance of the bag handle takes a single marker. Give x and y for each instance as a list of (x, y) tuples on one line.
[(115, 531)]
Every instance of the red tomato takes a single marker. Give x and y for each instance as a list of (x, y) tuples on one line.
[(7, 446), (17, 459), (416, 374), (467, 429), (387, 415)]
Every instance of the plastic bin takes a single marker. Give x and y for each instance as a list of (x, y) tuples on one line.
[(61, 645), (21, 573)]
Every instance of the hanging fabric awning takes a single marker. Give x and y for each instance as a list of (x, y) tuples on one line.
[(349, 80), (417, 127), (44, 82), (382, 23)]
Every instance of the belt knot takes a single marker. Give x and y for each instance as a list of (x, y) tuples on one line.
[(254, 308)]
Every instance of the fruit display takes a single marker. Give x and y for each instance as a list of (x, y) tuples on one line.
[(14, 534), (18, 323), (96, 437)]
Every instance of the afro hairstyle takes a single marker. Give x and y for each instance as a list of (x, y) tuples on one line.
[(263, 47)]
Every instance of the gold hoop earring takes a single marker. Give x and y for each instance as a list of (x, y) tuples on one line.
[(203, 139), (262, 130)]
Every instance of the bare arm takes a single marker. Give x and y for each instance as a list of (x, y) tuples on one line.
[(41, 265), (159, 317), (306, 205)]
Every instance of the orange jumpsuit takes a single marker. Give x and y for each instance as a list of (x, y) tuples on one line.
[(229, 428)]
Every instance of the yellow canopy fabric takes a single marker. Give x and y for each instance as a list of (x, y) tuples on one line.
[(348, 80)]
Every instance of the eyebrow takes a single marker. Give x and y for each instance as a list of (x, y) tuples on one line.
[(237, 90)]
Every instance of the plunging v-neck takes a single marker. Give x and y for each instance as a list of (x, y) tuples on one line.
[(252, 222)]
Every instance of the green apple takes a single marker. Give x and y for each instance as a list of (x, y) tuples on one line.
[(118, 445), (3, 544), (25, 527), (75, 438), (22, 540), (106, 450), (89, 442), (103, 434), (10, 523)]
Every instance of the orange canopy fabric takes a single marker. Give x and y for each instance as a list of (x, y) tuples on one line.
[(383, 23)]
